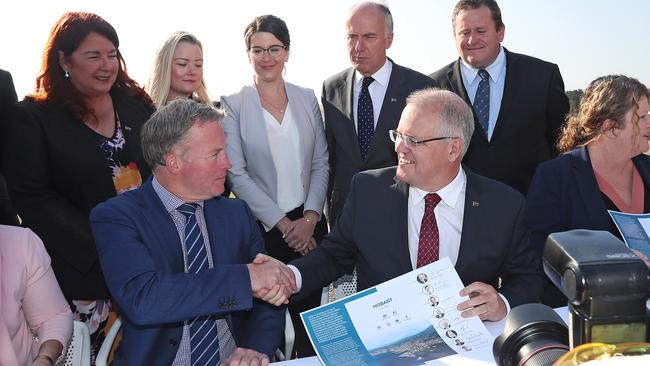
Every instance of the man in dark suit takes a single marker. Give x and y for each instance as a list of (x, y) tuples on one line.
[(7, 100), (175, 253), (354, 143), (519, 101), (428, 207)]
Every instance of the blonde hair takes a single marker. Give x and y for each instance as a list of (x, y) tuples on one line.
[(608, 97), (159, 81)]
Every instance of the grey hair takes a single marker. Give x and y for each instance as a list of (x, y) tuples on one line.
[(383, 8), (169, 125), (455, 118)]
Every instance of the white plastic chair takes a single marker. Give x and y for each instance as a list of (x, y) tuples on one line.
[(107, 345), (77, 352), (289, 339)]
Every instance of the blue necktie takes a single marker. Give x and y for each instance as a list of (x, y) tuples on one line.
[(204, 340), (365, 118), (482, 100)]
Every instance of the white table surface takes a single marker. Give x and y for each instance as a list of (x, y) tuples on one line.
[(495, 328)]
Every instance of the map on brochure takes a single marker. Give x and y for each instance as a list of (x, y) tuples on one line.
[(409, 320), (634, 229)]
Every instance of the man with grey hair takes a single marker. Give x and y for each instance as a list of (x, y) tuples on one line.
[(363, 102), (429, 207), (183, 264)]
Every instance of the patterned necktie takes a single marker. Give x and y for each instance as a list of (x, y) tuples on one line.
[(429, 244), (482, 100), (206, 332), (365, 118)]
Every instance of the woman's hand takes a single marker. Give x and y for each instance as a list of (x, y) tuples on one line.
[(300, 231)]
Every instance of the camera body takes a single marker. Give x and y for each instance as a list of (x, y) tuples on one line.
[(606, 284)]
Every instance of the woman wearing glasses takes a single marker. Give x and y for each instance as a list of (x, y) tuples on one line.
[(278, 151)]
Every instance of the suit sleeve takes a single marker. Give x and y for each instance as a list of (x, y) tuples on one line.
[(264, 207), (521, 273), (556, 109), (46, 310), (544, 206), (148, 296), (319, 166), (330, 138), (337, 252), (63, 227)]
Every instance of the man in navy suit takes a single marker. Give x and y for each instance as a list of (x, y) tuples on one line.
[(167, 277), (387, 223), (524, 105), (369, 30)]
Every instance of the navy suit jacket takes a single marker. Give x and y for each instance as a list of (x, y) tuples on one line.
[(342, 144), (140, 254), (372, 234), (564, 195), (532, 111)]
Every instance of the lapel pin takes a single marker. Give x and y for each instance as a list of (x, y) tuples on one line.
[(393, 100), (127, 128), (474, 204)]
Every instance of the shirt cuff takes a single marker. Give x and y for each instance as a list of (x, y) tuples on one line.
[(296, 274), (502, 297)]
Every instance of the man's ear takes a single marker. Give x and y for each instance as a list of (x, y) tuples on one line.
[(456, 149), (172, 163)]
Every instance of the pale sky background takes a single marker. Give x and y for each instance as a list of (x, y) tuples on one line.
[(585, 38)]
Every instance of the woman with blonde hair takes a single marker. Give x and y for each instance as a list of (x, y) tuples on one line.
[(602, 166), (177, 71)]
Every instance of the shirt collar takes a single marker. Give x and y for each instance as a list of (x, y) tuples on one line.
[(382, 76), (494, 69), (169, 200), (449, 193)]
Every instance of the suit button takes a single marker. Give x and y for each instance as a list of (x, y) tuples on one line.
[(173, 342)]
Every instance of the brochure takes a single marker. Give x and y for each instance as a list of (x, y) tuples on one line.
[(634, 229), (409, 320)]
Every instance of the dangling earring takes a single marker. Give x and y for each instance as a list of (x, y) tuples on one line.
[(67, 75)]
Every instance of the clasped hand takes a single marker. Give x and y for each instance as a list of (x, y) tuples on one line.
[(271, 280)]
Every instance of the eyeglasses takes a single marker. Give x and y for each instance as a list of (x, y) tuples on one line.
[(274, 51), (412, 142)]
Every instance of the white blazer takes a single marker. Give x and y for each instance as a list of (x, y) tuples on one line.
[(253, 176)]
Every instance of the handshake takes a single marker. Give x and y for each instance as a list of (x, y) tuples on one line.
[(271, 280)]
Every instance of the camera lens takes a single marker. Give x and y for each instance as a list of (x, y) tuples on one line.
[(534, 335)]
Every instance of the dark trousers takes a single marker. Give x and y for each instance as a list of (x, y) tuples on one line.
[(278, 249)]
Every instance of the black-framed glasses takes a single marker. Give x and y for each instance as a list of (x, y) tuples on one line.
[(274, 51), (412, 142)]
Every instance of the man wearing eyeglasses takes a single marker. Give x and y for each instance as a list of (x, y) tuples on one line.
[(363, 102), (428, 207)]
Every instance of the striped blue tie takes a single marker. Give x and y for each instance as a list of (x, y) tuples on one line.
[(482, 100), (204, 341)]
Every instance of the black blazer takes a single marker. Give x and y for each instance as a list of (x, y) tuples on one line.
[(7, 101), (56, 174), (532, 111), (372, 234), (344, 154)]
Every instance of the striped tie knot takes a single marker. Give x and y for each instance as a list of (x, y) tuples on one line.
[(187, 209)]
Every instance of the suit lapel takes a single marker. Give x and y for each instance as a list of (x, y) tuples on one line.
[(470, 231), (510, 90), (346, 93), (455, 78), (390, 107), (585, 178), (399, 232), (167, 244), (219, 235)]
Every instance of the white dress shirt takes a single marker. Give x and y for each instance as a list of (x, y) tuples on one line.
[(284, 142), (449, 217), (377, 90), (497, 71)]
